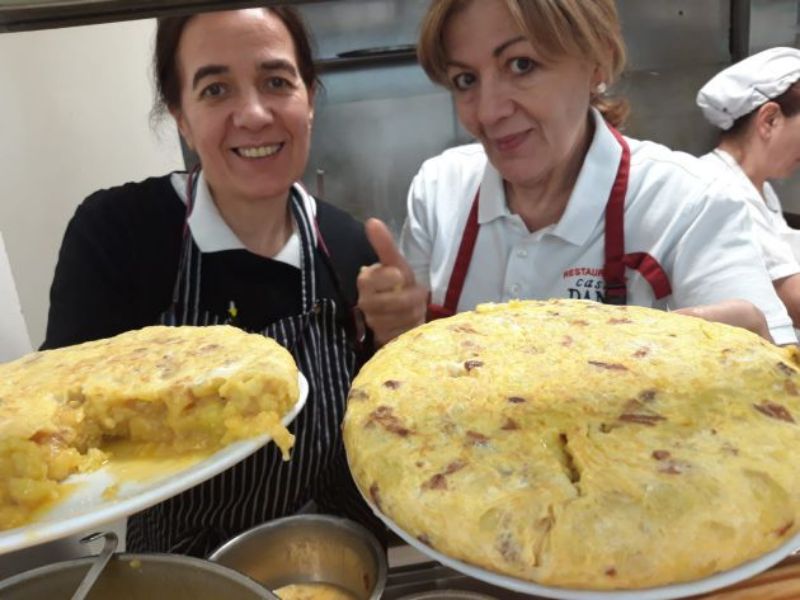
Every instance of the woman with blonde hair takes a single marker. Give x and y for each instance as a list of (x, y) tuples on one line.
[(553, 202)]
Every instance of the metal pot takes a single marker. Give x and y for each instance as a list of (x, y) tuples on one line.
[(448, 595), (136, 577), (309, 549)]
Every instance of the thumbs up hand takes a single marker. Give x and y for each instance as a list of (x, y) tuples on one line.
[(388, 295)]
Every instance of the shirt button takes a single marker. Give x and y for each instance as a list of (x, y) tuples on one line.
[(522, 253), (515, 290)]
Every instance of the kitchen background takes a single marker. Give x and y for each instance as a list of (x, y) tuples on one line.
[(74, 110)]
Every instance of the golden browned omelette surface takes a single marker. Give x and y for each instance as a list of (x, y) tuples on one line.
[(580, 445), (180, 388)]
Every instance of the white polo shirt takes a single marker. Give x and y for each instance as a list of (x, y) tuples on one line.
[(779, 243), (674, 211), (212, 234)]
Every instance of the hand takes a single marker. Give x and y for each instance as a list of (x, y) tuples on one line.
[(739, 313), (788, 290), (388, 295)]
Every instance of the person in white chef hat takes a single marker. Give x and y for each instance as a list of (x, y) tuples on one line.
[(756, 104)]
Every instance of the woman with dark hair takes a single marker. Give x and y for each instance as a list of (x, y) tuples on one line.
[(554, 202), (236, 241), (756, 105)]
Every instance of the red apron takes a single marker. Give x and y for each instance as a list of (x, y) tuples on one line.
[(615, 262)]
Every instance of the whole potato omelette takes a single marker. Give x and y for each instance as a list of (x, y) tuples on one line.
[(172, 389), (579, 445)]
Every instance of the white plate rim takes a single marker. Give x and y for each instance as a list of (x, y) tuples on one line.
[(46, 530), (666, 592)]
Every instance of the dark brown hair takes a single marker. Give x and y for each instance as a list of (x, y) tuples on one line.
[(788, 101), (168, 38), (586, 29)]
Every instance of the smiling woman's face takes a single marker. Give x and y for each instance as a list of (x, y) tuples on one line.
[(244, 107), (528, 113)]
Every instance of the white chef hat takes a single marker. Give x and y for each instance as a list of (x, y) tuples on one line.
[(741, 88)]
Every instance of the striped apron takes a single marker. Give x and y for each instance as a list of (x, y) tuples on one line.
[(263, 486)]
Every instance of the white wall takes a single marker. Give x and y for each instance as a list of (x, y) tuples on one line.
[(74, 106)]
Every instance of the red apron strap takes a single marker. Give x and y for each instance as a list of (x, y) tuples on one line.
[(652, 272), (460, 267), (614, 265)]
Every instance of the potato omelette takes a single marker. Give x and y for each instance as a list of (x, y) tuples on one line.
[(178, 388), (580, 445)]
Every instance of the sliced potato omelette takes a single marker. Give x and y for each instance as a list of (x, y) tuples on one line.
[(180, 388), (579, 445)]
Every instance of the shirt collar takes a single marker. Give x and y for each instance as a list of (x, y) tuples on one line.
[(772, 200), (493, 203), (212, 234), (767, 193), (587, 203)]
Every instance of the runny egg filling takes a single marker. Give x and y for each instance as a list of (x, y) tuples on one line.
[(172, 390)]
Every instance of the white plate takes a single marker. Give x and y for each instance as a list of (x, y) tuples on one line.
[(85, 508), (667, 592)]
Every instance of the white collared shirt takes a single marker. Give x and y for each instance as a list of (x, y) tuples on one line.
[(212, 234), (779, 243), (674, 211)]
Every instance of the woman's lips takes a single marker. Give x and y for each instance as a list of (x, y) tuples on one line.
[(510, 143)]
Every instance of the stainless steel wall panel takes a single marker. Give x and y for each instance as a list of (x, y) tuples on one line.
[(369, 151), (773, 23), (671, 33), (353, 24), (674, 46), (663, 107)]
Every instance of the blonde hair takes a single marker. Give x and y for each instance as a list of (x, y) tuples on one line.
[(585, 29)]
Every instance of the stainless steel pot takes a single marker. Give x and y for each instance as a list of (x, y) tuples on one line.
[(309, 549), (136, 577), (448, 595)]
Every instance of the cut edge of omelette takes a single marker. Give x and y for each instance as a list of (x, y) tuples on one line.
[(435, 470), (167, 390)]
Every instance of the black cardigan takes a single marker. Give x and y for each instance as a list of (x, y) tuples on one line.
[(119, 259)]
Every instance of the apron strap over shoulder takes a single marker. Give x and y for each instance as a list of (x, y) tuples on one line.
[(615, 260), (460, 267), (614, 265)]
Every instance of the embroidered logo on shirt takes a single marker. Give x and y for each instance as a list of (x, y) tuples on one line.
[(584, 283)]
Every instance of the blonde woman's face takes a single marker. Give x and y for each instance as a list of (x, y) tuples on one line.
[(528, 113)]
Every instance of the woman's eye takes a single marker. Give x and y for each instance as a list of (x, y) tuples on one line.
[(278, 83), (213, 90), (520, 66), (463, 81)]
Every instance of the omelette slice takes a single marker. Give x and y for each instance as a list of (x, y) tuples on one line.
[(176, 388), (579, 445)]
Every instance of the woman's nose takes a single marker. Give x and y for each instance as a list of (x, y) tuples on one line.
[(494, 103), (253, 112)]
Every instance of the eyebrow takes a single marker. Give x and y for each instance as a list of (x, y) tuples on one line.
[(506, 45), (207, 71), (496, 52), (278, 64), (269, 65)]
